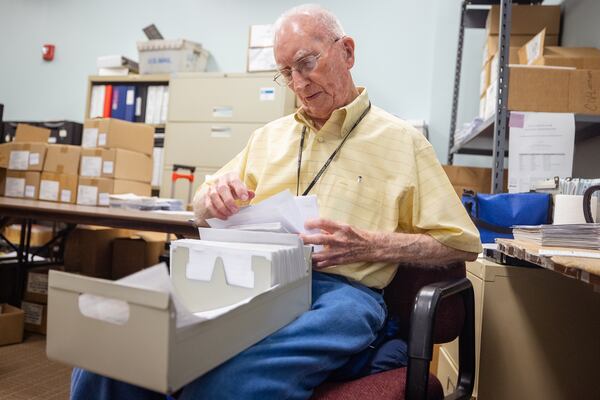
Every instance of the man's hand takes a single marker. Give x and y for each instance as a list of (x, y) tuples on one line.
[(342, 243), (218, 200)]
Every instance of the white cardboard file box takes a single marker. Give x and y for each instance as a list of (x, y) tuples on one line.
[(168, 56), (149, 350)]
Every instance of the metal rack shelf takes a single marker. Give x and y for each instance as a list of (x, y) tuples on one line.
[(479, 142)]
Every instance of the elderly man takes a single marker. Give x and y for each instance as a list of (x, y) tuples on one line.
[(383, 198)]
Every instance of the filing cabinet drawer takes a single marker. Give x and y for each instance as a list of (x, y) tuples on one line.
[(206, 144), (228, 98), (447, 372)]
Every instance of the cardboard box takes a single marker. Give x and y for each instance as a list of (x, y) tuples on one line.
[(169, 56), (2, 180), (11, 324), (584, 92), (4, 154), (479, 180), (544, 89), (526, 20), (36, 289), (96, 191), (40, 234), (116, 163), (139, 251), (536, 52), (117, 134), (36, 317), (22, 184), (88, 250), (30, 133), (491, 44), (61, 188), (62, 159), (26, 156)]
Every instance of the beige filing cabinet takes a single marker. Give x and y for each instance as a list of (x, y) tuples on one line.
[(537, 335), (211, 117)]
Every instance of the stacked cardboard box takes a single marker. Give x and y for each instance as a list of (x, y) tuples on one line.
[(11, 324), (58, 181), (23, 160), (116, 158), (35, 299), (138, 251), (527, 21)]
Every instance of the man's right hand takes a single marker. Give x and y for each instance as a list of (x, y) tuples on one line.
[(218, 201)]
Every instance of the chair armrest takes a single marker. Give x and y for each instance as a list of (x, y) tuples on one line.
[(420, 340)]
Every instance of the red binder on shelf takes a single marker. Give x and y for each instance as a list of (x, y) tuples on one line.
[(107, 101)]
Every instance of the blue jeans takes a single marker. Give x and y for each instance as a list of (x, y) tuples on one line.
[(344, 319)]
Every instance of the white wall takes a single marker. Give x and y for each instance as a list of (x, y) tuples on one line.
[(394, 46)]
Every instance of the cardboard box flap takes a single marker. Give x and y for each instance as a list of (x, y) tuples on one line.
[(533, 50), (30, 133), (101, 287)]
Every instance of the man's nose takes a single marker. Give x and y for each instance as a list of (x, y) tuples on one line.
[(299, 81)]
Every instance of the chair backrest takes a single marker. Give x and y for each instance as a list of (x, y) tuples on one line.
[(401, 292)]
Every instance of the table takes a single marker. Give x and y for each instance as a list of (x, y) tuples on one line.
[(103, 216), (584, 269), (29, 210)]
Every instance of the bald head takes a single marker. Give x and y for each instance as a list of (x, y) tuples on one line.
[(309, 19)]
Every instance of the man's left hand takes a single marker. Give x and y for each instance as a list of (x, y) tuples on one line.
[(342, 243)]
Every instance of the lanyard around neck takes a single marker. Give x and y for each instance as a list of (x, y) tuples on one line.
[(329, 160)]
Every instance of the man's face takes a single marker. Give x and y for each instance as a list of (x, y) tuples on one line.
[(327, 86)]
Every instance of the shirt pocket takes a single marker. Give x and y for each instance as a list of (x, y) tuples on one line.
[(352, 202)]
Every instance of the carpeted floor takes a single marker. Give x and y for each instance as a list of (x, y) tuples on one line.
[(26, 373)]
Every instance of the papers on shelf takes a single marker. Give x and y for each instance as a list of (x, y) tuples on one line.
[(540, 147), (144, 203), (584, 236)]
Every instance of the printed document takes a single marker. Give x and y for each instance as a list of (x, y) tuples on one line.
[(540, 147)]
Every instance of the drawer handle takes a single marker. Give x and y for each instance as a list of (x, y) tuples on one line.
[(220, 132), (223, 111)]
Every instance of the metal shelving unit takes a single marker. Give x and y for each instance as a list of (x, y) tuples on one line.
[(491, 137)]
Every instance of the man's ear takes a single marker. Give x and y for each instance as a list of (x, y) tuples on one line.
[(348, 44)]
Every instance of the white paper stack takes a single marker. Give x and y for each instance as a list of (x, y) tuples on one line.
[(584, 236), (280, 213)]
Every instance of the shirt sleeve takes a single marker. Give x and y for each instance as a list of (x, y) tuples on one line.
[(437, 210)]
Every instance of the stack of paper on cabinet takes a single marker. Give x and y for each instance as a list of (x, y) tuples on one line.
[(584, 236), (225, 293)]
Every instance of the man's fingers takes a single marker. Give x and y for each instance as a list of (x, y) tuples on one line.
[(216, 206), (323, 224), (240, 190), (318, 238), (227, 198)]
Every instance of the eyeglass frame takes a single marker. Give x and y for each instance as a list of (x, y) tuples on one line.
[(293, 68)]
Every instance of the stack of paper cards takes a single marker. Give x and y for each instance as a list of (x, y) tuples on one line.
[(280, 213)]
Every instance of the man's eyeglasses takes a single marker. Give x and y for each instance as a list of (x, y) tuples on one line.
[(303, 66)]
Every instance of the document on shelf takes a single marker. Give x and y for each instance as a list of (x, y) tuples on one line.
[(540, 147)]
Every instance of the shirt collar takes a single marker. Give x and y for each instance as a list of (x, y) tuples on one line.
[(342, 119)]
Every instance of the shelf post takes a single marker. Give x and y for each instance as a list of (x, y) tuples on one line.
[(457, 71), (502, 115)]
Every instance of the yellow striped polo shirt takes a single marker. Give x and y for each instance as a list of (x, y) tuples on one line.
[(385, 178)]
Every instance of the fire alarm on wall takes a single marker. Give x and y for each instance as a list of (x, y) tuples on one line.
[(48, 52)]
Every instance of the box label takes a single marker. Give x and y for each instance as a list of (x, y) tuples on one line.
[(533, 49), (33, 313), (15, 187), (107, 167), (37, 283), (30, 191), (62, 133), (102, 139), (267, 94), (19, 160), (103, 199), (49, 190), (90, 137), (52, 140), (34, 158), (90, 166), (130, 98), (223, 112), (87, 195), (65, 196)]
